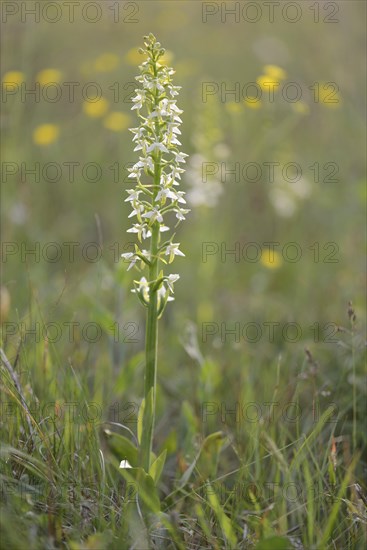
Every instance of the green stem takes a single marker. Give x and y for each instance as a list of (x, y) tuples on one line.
[(151, 342), (151, 338)]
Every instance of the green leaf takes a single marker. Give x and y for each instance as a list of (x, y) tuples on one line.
[(122, 447), (207, 462), (224, 521), (145, 487), (274, 543), (157, 466)]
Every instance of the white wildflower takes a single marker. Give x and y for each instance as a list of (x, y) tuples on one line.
[(157, 141)]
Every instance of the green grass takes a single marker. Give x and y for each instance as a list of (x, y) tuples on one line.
[(265, 441), (254, 481)]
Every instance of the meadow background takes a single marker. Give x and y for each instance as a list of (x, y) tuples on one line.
[(201, 366)]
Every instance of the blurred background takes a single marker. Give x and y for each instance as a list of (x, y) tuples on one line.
[(72, 131)]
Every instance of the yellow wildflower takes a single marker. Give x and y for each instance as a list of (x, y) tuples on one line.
[(45, 134), (48, 75), (271, 259), (13, 77), (133, 57), (267, 82), (97, 108), (275, 72)]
